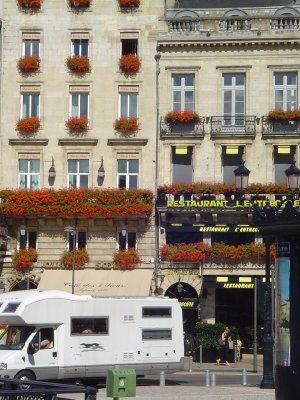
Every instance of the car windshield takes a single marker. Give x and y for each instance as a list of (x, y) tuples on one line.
[(14, 337)]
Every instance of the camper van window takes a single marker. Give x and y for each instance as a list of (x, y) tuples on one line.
[(14, 337), (89, 326), (11, 307), (44, 339), (157, 334), (160, 312)]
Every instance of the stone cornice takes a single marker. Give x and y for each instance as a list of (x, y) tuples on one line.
[(28, 142), (127, 142), (78, 141)]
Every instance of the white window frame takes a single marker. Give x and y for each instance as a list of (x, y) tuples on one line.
[(80, 47), (76, 243), (78, 174), (28, 173), (233, 88), (119, 230), (128, 174), (182, 89), (121, 45), (285, 87), (30, 104), (31, 46), (128, 105), (79, 112), (27, 238)]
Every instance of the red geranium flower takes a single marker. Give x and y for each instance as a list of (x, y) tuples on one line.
[(29, 64), (186, 116), (28, 125), (33, 5), (129, 3), (281, 115), (126, 125), (126, 259), (80, 3), (77, 124), (81, 258), (24, 258), (78, 64), (130, 63)]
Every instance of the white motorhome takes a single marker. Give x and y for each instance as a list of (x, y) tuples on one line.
[(56, 335)]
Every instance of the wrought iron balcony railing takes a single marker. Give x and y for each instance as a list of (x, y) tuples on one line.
[(181, 129), (271, 127), (226, 124)]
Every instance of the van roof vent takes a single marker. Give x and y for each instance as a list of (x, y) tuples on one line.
[(128, 318)]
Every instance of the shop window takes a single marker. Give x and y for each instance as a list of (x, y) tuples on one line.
[(129, 46), (29, 239), (80, 240), (126, 239), (182, 164), (183, 237), (183, 90), (232, 157), (285, 86), (89, 326), (283, 157)]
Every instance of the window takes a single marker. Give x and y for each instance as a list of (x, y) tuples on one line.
[(182, 164), (126, 239), (78, 173), (29, 173), (31, 47), (89, 326), (128, 172), (283, 157), (232, 157), (80, 47), (30, 104), (183, 91), (79, 104), (44, 339), (285, 84), (128, 104), (80, 240), (11, 307), (164, 312), (157, 334), (234, 99), (129, 46), (28, 240)]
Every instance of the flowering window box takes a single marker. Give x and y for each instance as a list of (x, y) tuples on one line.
[(29, 64), (77, 125), (128, 4), (126, 126), (80, 3), (182, 122), (33, 5), (78, 64), (28, 125), (126, 259), (81, 258), (130, 64), (24, 258)]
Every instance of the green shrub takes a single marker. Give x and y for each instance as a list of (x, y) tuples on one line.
[(208, 334)]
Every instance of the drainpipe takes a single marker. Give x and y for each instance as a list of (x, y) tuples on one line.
[(156, 217)]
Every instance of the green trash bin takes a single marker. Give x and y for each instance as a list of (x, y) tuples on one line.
[(121, 383)]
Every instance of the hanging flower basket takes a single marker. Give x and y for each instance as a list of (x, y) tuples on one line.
[(24, 258), (29, 64), (80, 3), (81, 258), (284, 116), (126, 126), (130, 64), (182, 117), (78, 64), (126, 259), (129, 3), (77, 125), (28, 125), (33, 5)]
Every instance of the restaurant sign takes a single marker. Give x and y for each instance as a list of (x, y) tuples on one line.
[(227, 203)]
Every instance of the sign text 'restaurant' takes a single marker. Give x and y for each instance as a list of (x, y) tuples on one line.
[(227, 203)]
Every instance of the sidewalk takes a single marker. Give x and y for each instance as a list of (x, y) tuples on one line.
[(246, 362)]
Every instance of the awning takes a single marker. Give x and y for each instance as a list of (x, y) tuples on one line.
[(99, 283)]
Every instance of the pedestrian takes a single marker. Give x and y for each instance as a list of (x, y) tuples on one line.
[(224, 343)]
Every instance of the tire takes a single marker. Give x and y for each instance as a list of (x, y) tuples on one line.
[(25, 376)]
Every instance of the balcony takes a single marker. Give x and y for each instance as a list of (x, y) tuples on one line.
[(285, 23), (233, 125), (278, 128), (181, 130)]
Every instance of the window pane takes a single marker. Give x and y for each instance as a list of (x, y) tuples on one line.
[(27, 47), (71, 239), (72, 181), (122, 166), (291, 78), (157, 312), (182, 166), (240, 79), (291, 99), (84, 47), (189, 80), (227, 79), (122, 181), (84, 104), (176, 96), (76, 47), (25, 103), (32, 237), (23, 241), (36, 47), (133, 104), (23, 165), (228, 108), (122, 241), (34, 181), (239, 108), (34, 165), (35, 104), (133, 166), (156, 334), (227, 95), (84, 166), (278, 78), (23, 181), (72, 166), (131, 239), (239, 95), (124, 104), (177, 80), (75, 107), (84, 181), (189, 100), (133, 181), (278, 98), (86, 326), (81, 240)]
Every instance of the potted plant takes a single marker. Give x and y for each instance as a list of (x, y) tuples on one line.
[(126, 126), (28, 125), (81, 258), (29, 64), (78, 64), (24, 258), (284, 121), (182, 121), (129, 3), (80, 3), (130, 63), (126, 259), (33, 5), (77, 125)]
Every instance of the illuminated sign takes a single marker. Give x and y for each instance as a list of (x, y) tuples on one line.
[(238, 286), (188, 303), (227, 203), (228, 228)]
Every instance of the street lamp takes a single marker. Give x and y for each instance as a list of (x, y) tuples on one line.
[(72, 230), (241, 176), (293, 176)]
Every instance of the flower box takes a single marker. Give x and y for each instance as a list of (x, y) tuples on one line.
[(81, 258), (281, 115), (182, 117), (78, 64), (33, 5), (126, 126), (29, 64), (105, 203), (126, 259), (28, 125), (24, 258), (129, 3), (77, 125), (80, 3), (130, 64)]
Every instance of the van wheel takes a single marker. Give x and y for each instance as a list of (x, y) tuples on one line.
[(25, 376)]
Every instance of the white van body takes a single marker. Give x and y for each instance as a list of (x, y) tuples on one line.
[(144, 333)]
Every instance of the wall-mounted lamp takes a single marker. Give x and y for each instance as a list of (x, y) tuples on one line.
[(101, 170), (22, 230), (123, 231), (52, 172)]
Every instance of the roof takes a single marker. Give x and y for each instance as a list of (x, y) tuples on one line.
[(192, 4)]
